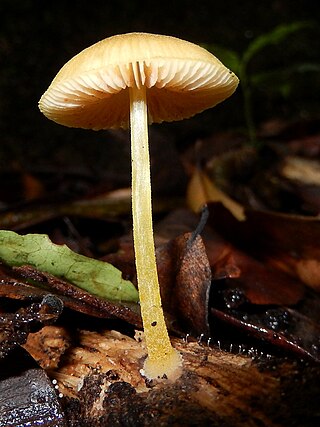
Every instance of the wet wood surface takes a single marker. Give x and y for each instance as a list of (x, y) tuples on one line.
[(99, 383)]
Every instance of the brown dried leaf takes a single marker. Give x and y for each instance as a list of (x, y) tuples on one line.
[(202, 190), (15, 284), (183, 269), (302, 170), (275, 238), (283, 328), (259, 283), (185, 279)]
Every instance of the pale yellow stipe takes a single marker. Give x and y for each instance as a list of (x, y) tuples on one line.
[(163, 359), (92, 91)]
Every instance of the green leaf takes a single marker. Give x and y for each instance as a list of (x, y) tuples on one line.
[(277, 35), (97, 277)]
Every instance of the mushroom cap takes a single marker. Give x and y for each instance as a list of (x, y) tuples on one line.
[(91, 90)]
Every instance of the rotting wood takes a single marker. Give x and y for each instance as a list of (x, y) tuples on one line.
[(101, 385)]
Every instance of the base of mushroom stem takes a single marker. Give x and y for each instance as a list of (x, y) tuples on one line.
[(168, 368)]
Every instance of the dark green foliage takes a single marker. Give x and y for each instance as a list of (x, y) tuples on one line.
[(277, 78)]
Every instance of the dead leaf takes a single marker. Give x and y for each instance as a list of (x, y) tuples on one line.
[(282, 328), (183, 269), (301, 169), (201, 190), (259, 283), (185, 280), (276, 239), (15, 284)]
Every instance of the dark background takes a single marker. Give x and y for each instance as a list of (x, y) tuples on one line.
[(37, 37)]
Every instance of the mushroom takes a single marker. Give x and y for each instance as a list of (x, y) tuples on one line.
[(133, 80)]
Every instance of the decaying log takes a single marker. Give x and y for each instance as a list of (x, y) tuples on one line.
[(100, 385)]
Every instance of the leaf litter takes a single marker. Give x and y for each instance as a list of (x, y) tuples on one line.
[(97, 277), (249, 266)]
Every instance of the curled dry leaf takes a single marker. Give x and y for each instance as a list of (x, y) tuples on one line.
[(201, 190), (288, 242), (259, 301), (302, 170), (284, 329), (183, 269), (16, 284), (259, 283), (185, 279), (304, 176), (184, 276)]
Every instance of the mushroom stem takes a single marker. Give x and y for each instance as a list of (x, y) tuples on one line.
[(163, 360)]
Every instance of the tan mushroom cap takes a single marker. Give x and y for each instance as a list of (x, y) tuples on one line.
[(91, 90)]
